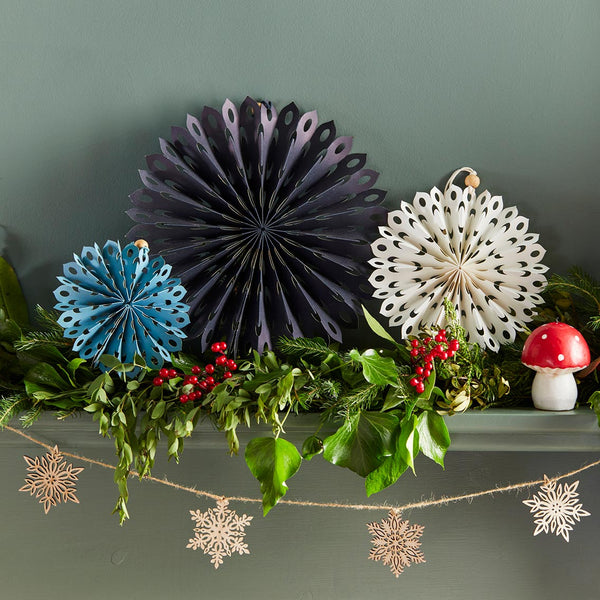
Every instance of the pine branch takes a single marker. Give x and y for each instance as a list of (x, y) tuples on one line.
[(11, 406), (39, 339), (48, 319), (578, 283), (32, 415), (309, 349)]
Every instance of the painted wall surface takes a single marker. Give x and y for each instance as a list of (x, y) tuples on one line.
[(86, 89), (483, 549)]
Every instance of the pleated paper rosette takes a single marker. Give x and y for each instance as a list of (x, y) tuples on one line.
[(465, 247), (121, 302), (267, 218)]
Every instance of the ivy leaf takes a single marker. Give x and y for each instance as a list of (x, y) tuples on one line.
[(312, 446), (386, 474), (362, 442), (434, 438), (272, 461), (408, 441), (377, 369)]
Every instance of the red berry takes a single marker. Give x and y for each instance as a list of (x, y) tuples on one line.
[(231, 365), (164, 373), (227, 375), (439, 338), (419, 370), (172, 373), (443, 355), (158, 381), (221, 361), (420, 388), (427, 340), (223, 346), (209, 369), (414, 353), (210, 381), (414, 343), (413, 382), (428, 365), (216, 347), (184, 398), (453, 345), (442, 332), (203, 386), (438, 349), (196, 370), (450, 353), (426, 373), (192, 379)]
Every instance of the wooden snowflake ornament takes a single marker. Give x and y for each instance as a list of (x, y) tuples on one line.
[(219, 532), (51, 479), (556, 508), (396, 542), (464, 247)]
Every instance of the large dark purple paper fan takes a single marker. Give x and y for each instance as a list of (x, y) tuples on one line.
[(267, 219)]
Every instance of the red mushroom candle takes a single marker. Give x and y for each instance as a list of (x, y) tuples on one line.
[(555, 351)]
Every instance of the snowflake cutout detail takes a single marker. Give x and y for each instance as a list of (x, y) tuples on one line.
[(462, 247), (556, 508), (51, 479), (396, 542), (219, 532)]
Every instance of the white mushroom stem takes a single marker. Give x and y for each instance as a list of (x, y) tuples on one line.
[(554, 389)]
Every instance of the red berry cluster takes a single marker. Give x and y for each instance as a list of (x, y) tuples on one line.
[(424, 352), (201, 380), (164, 375)]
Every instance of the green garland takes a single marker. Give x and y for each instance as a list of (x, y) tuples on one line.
[(382, 418)]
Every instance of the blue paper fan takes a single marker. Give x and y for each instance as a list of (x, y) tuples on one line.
[(122, 303), (267, 218)]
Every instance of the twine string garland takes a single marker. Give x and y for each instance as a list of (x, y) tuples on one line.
[(307, 503)]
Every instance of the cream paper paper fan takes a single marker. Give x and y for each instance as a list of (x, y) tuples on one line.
[(464, 247)]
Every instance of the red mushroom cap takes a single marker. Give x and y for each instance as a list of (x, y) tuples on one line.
[(556, 346)]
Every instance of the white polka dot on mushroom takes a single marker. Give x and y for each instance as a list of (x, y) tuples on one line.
[(561, 357), (544, 336)]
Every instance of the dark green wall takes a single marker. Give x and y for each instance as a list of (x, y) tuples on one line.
[(509, 88), (86, 88)]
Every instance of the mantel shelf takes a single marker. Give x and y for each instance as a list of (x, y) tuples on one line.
[(500, 430)]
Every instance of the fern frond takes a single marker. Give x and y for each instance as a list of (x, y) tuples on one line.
[(310, 349)]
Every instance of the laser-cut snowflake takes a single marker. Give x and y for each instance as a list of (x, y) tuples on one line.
[(219, 532), (556, 508), (396, 542), (51, 479)]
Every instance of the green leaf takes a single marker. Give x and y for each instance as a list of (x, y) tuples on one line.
[(312, 446), (386, 474), (272, 461), (43, 376), (110, 361), (74, 364), (594, 401), (12, 301), (408, 441), (159, 410), (362, 442), (377, 369), (434, 438), (376, 327)]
